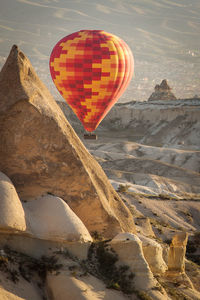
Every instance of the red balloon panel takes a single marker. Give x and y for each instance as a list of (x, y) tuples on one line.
[(91, 69)]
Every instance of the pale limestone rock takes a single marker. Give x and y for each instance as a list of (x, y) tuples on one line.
[(64, 286), (129, 250), (42, 154), (12, 217), (50, 218), (176, 258), (153, 253), (36, 247)]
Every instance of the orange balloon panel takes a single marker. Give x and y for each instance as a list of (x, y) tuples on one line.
[(91, 69)]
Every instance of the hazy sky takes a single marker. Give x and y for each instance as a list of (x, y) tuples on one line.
[(164, 36)]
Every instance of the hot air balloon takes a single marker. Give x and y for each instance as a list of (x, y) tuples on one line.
[(91, 69)]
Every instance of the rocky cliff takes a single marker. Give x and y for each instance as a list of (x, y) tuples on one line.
[(158, 123), (169, 123)]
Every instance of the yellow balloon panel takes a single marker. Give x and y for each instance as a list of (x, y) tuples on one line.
[(90, 68)]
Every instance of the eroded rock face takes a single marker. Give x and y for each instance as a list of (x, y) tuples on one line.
[(176, 259), (41, 153), (129, 249), (12, 218), (162, 92), (153, 255)]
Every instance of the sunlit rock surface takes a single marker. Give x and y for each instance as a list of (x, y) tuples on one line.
[(42, 154), (12, 217)]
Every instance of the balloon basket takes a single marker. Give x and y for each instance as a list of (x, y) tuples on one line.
[(90, 136)]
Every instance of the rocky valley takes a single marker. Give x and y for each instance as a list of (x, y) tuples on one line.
[(115, 218)]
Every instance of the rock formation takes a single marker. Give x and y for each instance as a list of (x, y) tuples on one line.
[(50, 218), (12, 218), (129, 250), (36, 224), (41, 153), (20, 291), (176, 263), (65, 286), (153, 254), (176, 259), (162, 92)]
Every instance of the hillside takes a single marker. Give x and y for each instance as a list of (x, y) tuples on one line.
[(168, 123), (153, 149)]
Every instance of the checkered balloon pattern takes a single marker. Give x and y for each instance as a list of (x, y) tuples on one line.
[(91, 69)]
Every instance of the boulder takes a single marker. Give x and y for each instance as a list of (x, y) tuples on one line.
[(42, 154), (50, 218), (162, 92), (12, 218), (129, 250), (153, 253)]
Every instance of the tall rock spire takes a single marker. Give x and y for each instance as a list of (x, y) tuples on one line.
[(42, 154)]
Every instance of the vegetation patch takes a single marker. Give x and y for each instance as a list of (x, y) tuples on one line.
[(182, 197), (15, 264), (173, 291), (143, 295), (96, 236), (159, 224), (101, 263), (123, 188)]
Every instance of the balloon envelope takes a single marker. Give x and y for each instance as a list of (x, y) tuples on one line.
[(91, 69)]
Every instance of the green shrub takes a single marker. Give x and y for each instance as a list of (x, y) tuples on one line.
[(102, 264), (143, 296), (123, 188), (96, 235), (15, 263), (43, 265)]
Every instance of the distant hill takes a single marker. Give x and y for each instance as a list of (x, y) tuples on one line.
[(168, 123)]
